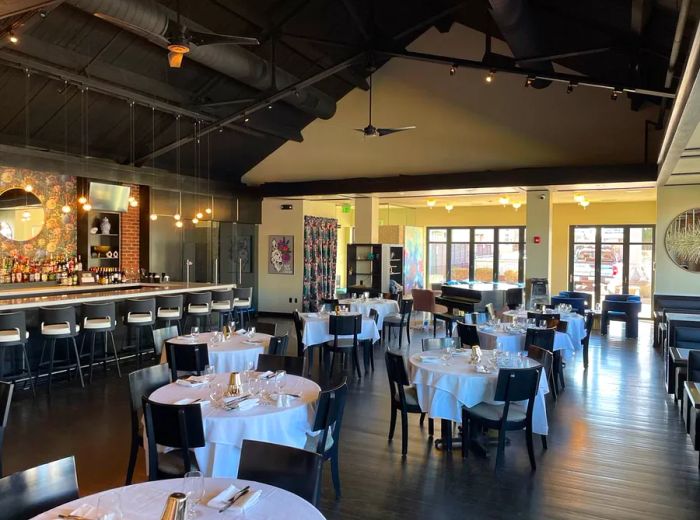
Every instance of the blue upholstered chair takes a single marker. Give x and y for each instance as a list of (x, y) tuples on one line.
[(577, 304), (621, 307), (587, 297)]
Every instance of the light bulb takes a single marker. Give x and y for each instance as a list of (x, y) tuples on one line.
[(26, 215), (449, 207), (87, 207), (177, 217), (199, 214), (195, 220), (13, 38), (578, 197), (489, 77), (66, 209), (431, 203), (503, 201), (517, 205), (29, 188), (178, 223), (154, 216), (207, 211), (133, 203), (82, 199), (585, 203)]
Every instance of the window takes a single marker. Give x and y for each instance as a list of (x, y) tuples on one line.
[(484, 254)]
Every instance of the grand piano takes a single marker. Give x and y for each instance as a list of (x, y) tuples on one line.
[(473, 296)]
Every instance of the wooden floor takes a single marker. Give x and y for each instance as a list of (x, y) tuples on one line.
[(617, 448)]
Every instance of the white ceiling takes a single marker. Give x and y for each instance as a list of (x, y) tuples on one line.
[(463, 124)]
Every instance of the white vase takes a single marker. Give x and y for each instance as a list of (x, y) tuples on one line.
[(105, 226)]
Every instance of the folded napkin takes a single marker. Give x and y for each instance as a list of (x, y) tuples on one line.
[(266, 375), (428, 359), (241, 332), (462, 352), (243, 503), (191, 381), (482, 369), (252, 341), (190, 400), (486, 329), (242, 403)]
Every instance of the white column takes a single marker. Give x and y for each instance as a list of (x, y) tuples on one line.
[(538, 248), (367, 220)]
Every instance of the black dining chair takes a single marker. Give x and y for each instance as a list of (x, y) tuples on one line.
[(142, 383), (242, 304), (6, 390), (295, 470), (140, 315), (590, 316), (173, 426), (222, 303), (278, 345), (343, 325), (59, 323), (468, 334), (188, 358), (439, 343), (299, 331), (13, 337), (404, 398), (514, 384), (266, 327), (544, 338), (329, 304), (549, 320), (398, 321), (29, 493), (198, 310), (291, 364), (368, 344), (327, 425), (546, 359), (100, 318), (169, 309)]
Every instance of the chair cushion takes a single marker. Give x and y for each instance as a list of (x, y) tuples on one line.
[(198, 309), (241, 303), (8, 336), (138, 317), (57, 329), (411, 395), (223, 305), (171, 462), (393, 318), (168, 313), (494, 412), (342, 343), (97, 323)]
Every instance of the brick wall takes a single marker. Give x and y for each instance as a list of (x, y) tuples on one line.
[(130, 235)]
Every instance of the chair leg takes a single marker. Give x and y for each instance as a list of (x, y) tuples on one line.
[(29, 370), (530, 449), (392, 423), (114, 349), (77, 361), (465, 435), (371, 354), (422, 419), (544, 441), (500, 453), (52, 352), (404, 433), (138, 347), (132, 461), (431, 427), (400, 336), (335, 474), (92, 354), (356, 362), (408, 334), (434, 327)]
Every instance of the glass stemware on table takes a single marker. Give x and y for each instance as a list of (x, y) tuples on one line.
[(193, 488), (109, 506)]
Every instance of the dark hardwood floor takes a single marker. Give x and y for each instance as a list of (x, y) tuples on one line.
[(617, 448)]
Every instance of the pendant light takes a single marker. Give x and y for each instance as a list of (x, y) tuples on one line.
[(178, 213), (197, 168), (85, 133), (28, 188)]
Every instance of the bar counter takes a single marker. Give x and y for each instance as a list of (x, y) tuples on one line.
[(32, 298)]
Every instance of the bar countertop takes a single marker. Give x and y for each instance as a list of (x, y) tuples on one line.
[(31, 298)]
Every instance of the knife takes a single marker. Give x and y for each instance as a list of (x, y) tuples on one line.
[(235, 497)]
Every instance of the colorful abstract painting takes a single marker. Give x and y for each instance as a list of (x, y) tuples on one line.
[(281, 254), (413, 258)]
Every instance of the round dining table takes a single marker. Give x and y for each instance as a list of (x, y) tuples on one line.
[(146, 501), (286, 422), (316, 332), (443, 387), (500, 338), (383, 307), (575, 324), (231, 355)]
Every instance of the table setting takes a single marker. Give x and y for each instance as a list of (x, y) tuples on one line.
[(316, 327), (364, 304), (205, 498), (272, 407), (576, 324)]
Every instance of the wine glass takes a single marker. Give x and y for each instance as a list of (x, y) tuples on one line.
[(251, 332), (193, 487), (109, 506), (280, 381), (209, 374), (194, 331), (216, 394)]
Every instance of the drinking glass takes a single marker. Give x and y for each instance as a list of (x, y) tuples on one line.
[(216, 394), (251, 332), (209, 374), (232, 327), (193, 487), (109, 506), (280, 381), (194, 331)]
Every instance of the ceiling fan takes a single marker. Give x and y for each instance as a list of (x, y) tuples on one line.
[(372, 131), (179, 38)]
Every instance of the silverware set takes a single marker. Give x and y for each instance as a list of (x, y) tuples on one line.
[(240, 494)]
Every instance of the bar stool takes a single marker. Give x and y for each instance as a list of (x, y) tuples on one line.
[(100, 318), (13, 334), (140, 313), (59, 323), (199, 308), (242, 301), (169, 309), (222, 302)]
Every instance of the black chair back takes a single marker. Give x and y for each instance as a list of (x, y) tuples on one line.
[(186, 358), (329, 415), (91, 311), (299, 330), (405, 308), (171, 302), (439, 343), (266, 327), (467, 333), (514, 297), (278, 345), (562, 326), (295, 470), (374, 315), (694, 366), (542, 356), (243, 293), (28, 493), (330, 303), (142, 383), (543, 338), (172, 426), (222, 296), (141, 306), (517, 384), (291, 364), (199, 298), (14, 321), (59, 315), (344, 325), (6, 391), (398, 378), (542, 318)]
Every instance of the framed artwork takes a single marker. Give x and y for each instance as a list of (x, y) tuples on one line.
[(683, 240), (244, 252), (281, 254)]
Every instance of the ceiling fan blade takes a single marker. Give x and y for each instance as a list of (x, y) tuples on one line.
[(155, 38), (206, 38), (387, 131)]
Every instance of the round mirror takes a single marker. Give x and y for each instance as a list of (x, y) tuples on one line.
[(683, 240), (21, 215)]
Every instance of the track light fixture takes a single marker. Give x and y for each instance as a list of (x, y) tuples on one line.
[(529, 81), (449, 207), (431, 203), (489, 76), (453, 70), (570, 87), (614, 94), (13, 38)]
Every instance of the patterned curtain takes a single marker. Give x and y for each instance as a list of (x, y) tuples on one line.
[(320, 248)]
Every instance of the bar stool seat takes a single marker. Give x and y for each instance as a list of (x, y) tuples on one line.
[(57, 329), (14, 335), (242, 303), (198, 309), (140, 313), (59, 323), (168, 313), (139, 317), (100, 319), (223, 305), (98, 323), (169, 309), (11, 335)]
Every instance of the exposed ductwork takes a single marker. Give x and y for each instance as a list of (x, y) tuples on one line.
[(518, 26), (150, 17)]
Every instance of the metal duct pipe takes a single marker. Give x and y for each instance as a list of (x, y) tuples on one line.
[(519, 28), (231, 60)]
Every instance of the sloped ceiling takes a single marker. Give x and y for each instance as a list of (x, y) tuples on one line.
[(463, 124)]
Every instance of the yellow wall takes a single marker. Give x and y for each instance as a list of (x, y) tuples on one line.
[(470, 216)]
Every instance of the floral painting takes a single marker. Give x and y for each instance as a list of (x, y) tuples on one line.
[(59, 234), (281, 253)]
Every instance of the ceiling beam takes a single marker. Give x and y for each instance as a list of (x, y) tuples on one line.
[(545, 176), (356, 20), (244, 113), (13, 8)]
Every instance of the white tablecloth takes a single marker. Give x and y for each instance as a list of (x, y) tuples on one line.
[(382, 306), (575, 325), (146, 501), (443, 389), (316, 329), (232, 355), (224, 431), (515, 342)]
